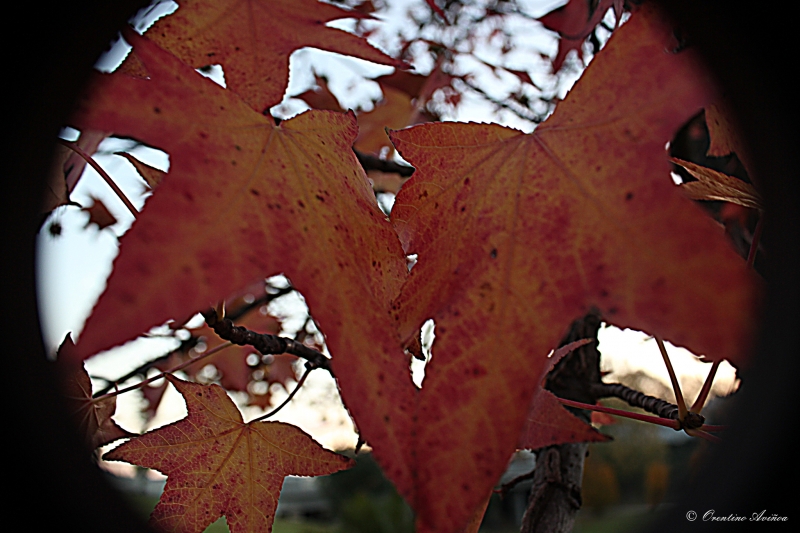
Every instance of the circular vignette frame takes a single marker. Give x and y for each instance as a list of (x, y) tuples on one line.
[(48, 58)]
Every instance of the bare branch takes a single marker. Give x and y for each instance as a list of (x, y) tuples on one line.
[(264, 343)]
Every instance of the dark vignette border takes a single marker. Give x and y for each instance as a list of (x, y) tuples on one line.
[(47, 52)]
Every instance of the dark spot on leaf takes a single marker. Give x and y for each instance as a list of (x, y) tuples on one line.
[(463, 208), (157, 110), (320, 198), (466, 181), (254, 192), (301, 204), (629, 197), (493, 253)]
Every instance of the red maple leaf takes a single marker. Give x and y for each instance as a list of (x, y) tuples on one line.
[(217, 465), (517, 235), (252, 40)]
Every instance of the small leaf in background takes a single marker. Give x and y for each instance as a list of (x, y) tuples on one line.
[(216, 465), (99, 215), (714, 185), (656, 482), (393, 111), (574, 21), (151, 175), (92, 417), (231, 362), (321, 96)]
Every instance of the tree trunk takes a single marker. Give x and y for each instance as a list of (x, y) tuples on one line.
[(556, 492)]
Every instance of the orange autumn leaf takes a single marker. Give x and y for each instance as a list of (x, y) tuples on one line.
[(92, 416), (517, 235), (714, 185), (549, 423), (393, 111), (321, 97), (216, 465), (252, 40), (247, 199)]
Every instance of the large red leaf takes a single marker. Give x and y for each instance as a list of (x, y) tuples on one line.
[(517, 235), (218, 465), (253, 39), (246, 199)]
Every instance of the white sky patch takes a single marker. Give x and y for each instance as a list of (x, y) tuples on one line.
[(427, 336), (628, 351)]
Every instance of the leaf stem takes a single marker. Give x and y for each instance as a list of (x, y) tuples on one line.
[(675, 385), (701, 399), (162, 374), (309, 368), (263, 342), (674, 424), (121, 195), (751, 256)]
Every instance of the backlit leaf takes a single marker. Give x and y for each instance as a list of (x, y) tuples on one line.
[(517, 235), (217, 465), (246, 199), (252, 40), (714, 185), (91, 416)]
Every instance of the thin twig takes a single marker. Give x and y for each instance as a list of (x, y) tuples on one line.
[(682, 410), (671, 423), (634, 398), (751, 256), (181, 366), (263, 342), (309, 368), (121, 195), (703, 396), (525, 115), (186, 345)]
